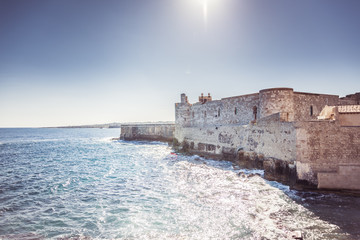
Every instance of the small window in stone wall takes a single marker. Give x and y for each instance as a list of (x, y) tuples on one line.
[(235, 111), (255, 113), (205, 114), (219, 112), (311, 110)]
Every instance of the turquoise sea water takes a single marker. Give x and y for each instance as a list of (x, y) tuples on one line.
[(78, 184)]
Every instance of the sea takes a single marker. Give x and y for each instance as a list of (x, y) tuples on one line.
[(80, 184)]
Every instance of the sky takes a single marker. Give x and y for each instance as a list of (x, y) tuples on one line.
[(74, 62)]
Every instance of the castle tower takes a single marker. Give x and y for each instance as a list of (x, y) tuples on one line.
[(183, 98), (277, 100), (182, 111)]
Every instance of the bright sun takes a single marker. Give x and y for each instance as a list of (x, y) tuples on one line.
[(205, 11), (205, 5)]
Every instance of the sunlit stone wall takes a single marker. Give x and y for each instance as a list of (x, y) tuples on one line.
[(233, 110), (270, 138)]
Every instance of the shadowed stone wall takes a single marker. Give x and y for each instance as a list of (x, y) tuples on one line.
[(148, 132), (307, 106), (326, 151)]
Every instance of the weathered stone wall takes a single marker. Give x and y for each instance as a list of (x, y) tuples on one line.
[(293, 106), (233, 110), (205, 114), (347, 101), (351, 99), (323, 148), (277, 100), (148, 132), (349, 119), (349, 115), (182, 114), (240, 109), (268, 144), (285, 139), (270, 138), (307, 106)]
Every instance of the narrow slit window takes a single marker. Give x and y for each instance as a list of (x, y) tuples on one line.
[(255, 113), (235, 111), (311, 110), (219, 112)]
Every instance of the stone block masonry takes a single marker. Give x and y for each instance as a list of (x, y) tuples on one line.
[(326, 151), (277, 130), (147, 132)]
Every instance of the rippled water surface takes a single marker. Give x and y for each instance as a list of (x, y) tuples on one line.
[(78, 184)]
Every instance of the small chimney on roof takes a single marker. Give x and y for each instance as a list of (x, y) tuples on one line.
[(203, 99)]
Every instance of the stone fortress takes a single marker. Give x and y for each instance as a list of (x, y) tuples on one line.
[(283, 131), (304, 139)]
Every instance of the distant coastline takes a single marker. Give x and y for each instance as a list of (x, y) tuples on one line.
[(110, 125)]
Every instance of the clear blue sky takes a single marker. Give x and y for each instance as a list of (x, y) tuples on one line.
[(82, 61)]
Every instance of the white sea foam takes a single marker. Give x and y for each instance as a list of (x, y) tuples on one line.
[(220, 203), (106, 139)]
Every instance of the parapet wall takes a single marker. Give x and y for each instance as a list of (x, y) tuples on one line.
[(148, 132)]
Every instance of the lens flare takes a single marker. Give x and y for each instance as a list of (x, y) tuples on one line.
[(205, 12)]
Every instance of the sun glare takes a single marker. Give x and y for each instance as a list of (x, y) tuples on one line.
[(205, 9)]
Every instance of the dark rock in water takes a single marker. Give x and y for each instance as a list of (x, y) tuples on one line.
[(254, 174), (115, 139), (248, 175), (242, 174)]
